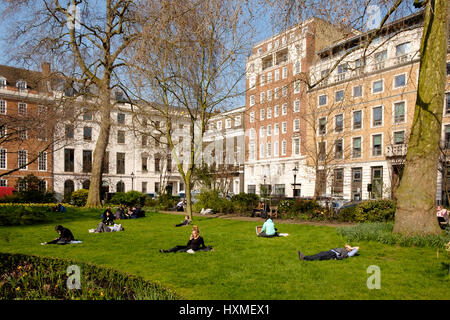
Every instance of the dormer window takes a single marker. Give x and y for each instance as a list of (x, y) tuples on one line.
[(2, 82), (21, 85)]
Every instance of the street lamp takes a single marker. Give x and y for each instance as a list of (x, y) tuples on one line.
[(132, 180), (295, 170), (264, 185)]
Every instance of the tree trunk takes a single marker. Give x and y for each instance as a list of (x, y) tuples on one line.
[(93, 199), (188, 188), (416, 207)]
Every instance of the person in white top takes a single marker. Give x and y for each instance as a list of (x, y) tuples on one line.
[(442, 215)]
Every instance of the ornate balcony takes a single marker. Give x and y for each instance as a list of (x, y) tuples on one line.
[(396, 150)]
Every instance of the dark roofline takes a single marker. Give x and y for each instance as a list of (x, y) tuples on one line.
[(350, 42)]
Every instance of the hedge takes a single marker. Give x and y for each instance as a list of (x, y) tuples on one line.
[(38, 278)]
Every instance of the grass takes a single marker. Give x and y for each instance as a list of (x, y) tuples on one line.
[(242, 266)]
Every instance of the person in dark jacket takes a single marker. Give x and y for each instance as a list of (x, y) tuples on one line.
[(185, 222), (65, 236), (336, 254), (108, 217), (195, 243)]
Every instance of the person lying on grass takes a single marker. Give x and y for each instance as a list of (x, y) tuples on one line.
[(65, 236), (336, 254), (195, 243), (185, 222)]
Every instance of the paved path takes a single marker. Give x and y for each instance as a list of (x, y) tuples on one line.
[(258, 219)]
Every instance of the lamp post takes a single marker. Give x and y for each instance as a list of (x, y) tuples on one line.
[(264, 186), (132, 180), (295, 170)]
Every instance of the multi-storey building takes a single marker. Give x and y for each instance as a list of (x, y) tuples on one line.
[(137, 158), (364, 111), (275, 99), (224, 147), (25, 125)]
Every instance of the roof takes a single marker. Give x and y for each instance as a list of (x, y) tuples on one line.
[(34, 79)]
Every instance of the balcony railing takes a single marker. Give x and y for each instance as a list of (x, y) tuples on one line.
[(396, 150)]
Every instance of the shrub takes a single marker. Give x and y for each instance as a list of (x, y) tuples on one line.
[(22, 214), (79, 197), (36, 278), (210, 199), (285, 206), (382, 232), (244, 202), (167, 201), (375, 211), (130, 198)]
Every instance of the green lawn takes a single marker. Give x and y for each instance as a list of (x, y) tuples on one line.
[(242, 266)]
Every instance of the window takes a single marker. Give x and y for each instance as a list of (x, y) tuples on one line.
[(283, 127), (262, 80), (356, 148), (401, 50), (269, 75), (261, 114), (252, 117), (69, 160), (69, 131), (87, 161), (284, 109), (87, 116), (269, 113), (338, 149), (120, 163), (298, 67), (3, 159), (338, 182), (297, 105), (276, 111), (284, 91), (269, 130), (269, 95), (357, 91), (276, 149), (447, 103), (22, 133), (2, 82), (296, 125), (252, 134), (277, 75), (399, 112), (237, 121), (276, 129), (296, 146), (252, 100), (339, 96), (144, 187), (42, 161), (399, 137), (261, 150), (227, 123), (377, 116), (121, 118), (3, 183), (447, 137), (87, 133), (377, 182), (23, 159), (357, 119), (252, 151), (2, 107), (120, 136), (283, 147), (219, 125), (376, 145), (339, 123), (284, 73), (297, 86), (144, 140), (69, 187), (356, 183), (323, 126), (277, 93), (269, 149), (377, 86), (323, 100), (157, 164), (120, 186), (400, 80), (22, 109), (3, 130), (252, 82), (262, 96), (21, 85), (251, 189), (380, 59), (322, 150)]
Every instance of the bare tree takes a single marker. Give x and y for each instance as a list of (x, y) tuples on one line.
[(185, 68), (85, 41)]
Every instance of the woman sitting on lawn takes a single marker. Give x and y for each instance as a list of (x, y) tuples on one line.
[(195, 243), (65, 236), (268, 229), (185, 222)]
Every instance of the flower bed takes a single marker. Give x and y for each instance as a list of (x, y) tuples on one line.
[(36, 278)]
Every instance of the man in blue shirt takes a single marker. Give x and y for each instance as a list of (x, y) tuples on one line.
[(336, 253)]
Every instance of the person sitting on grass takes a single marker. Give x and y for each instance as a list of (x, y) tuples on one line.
[(120, 213), (195, 243), (65, 236), (336, 254), (268, 229), (108, 217), (185, 222)]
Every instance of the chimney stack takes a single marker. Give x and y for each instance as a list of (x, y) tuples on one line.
[(45, 69)]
